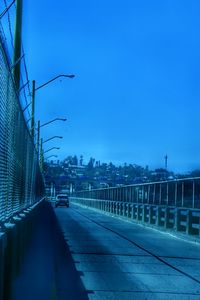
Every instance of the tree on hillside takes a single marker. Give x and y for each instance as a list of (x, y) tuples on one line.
[(81, 160), (91, 163), (75, 160), (195, 173)]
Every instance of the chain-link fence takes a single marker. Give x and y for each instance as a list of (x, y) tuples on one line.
[(178, 193), (7, 28), (21, 182)]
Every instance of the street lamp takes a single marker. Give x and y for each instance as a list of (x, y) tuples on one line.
[(42, 152), (49, 122), (34, 89), (51, 149), (53, 137), (56, 119), (44, 84)]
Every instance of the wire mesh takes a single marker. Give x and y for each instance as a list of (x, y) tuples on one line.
[(7, 27), (21, 182)]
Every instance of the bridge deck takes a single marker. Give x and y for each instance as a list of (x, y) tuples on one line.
[(106, 258)]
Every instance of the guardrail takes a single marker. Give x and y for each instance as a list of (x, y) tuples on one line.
[(169, 204), (179, 193)]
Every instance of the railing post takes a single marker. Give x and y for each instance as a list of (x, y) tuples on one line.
[(137, 191), (160, 195), (176, 187), (148, 195), (182, 193), (143, 200), (154, 193), (193, 194), (167, 194)]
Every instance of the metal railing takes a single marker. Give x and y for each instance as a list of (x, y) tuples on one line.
[(179, 193), (21, 182)]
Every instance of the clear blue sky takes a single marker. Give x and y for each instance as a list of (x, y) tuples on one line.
[(137, 87)]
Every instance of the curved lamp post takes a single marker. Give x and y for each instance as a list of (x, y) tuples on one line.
[(42, 152), (53, 137), (57, 148), (44, 84), (56, 119), (49, 122), (34, 89)]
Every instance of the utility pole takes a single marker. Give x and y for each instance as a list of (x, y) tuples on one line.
[(41, 156), (17, 43), (38, 138), (34, 89), (33, 110)]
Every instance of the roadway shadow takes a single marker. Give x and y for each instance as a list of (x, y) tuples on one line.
[(48, 271), (68, 282)]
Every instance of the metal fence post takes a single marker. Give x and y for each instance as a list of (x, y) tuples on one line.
[(193, 194), (154, 193), (167, 193), (160, 196), (182, 193), (175, 196)]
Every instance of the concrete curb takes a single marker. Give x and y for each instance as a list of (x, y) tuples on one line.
[(3, 241), (13, 243)]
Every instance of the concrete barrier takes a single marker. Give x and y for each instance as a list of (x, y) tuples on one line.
[(10, 258), (3, 241), (14, 239), (179, 219)]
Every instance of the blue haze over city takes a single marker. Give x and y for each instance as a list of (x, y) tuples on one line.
[(135, 97)]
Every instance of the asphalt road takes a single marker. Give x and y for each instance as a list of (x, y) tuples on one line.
[(81, 254), (119, 260)]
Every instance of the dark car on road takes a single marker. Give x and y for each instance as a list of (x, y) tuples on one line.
[(62, 200)]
